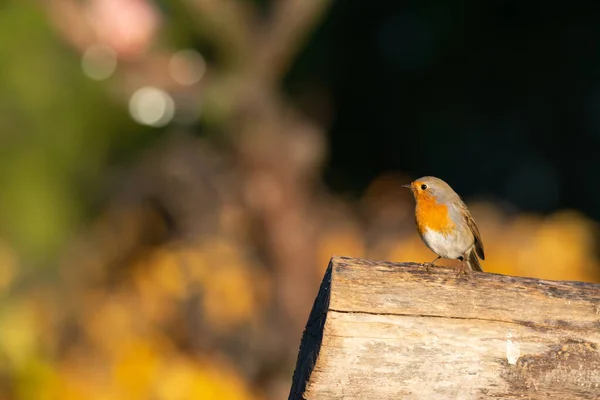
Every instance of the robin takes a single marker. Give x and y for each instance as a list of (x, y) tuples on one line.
[(445, 224)]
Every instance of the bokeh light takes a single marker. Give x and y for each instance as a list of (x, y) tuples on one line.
[(151, 106), (99, 62), (187, 67)]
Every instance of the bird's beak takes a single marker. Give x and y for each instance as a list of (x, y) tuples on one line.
[(408, 186)]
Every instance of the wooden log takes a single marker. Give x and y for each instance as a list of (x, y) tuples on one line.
[(381, 330)]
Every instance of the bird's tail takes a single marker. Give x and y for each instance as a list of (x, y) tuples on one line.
[(473, 261)]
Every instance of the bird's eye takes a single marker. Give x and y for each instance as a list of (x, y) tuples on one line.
[(423, 186)]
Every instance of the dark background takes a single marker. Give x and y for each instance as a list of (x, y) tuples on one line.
[(500, 98)]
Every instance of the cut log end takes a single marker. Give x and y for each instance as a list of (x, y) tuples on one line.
[(381, 330)]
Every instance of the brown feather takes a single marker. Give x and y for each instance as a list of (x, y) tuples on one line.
[(473, 262), (477, 235), (474, 230)]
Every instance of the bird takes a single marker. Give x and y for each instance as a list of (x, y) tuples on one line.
[(445, 224)]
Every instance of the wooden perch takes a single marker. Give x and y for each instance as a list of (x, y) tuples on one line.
[(380, 330)]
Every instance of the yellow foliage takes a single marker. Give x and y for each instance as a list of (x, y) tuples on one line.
[(75, 385), (161, 281), (18, 332), (8, 266), (38, 380), (232, 290), (218, 251), (184, 380), (411, 249), (165, 272), (136, 368), (110, 322), (342, 242), (564, 246), (195, 264), (229, 299)]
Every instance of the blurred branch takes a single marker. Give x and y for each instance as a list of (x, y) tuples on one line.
[(230, 24), (264, 51), (281, 39), (272, 45), (278, 149)]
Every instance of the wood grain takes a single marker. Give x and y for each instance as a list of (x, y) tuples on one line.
[(381, 330)]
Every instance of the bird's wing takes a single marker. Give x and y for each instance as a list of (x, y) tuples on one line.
[(471, 224), (477, 235)]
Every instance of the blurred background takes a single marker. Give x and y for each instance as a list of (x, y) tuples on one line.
[(175, 175)]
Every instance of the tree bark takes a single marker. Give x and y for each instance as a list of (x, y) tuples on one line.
[(380, 330)]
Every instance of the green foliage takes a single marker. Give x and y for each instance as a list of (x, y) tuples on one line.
[(57, 130)]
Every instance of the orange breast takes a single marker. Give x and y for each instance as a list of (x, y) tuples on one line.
[(430, 214)]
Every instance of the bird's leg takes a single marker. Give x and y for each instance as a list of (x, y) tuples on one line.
[(430, 264), (463, 269)]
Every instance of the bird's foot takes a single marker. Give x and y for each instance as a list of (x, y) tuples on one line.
[(430, 264), (463, 269)]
